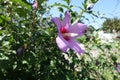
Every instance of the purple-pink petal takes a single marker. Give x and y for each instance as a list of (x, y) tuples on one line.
[(74, 45), (57, 22), (66, 20), (78, 28), (62, 43)]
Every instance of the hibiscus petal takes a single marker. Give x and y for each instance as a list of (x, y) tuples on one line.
[(34, 4), (57, 22), (66, 20), (62, 43), (74, 45), (78, 28)]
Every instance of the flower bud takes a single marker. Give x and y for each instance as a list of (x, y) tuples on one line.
[(21, 50), (90, 6), (35, 4)]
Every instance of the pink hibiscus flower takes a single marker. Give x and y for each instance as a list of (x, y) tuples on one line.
[(67, 34), (35, 4)]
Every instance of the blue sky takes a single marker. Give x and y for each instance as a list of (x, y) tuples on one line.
[(110, 9)]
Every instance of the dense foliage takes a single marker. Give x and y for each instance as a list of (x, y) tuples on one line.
[(28, 49), (111, 24)]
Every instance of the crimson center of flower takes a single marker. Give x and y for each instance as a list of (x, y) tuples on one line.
[(63, 31)]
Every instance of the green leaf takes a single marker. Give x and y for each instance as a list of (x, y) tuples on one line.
[(22, 3), (60, 9), (3, 18), (21, 12), (60, 5), (84, 5), (94, 1), (67, 1)]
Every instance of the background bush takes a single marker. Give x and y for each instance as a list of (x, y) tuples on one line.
[(28, 49)]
